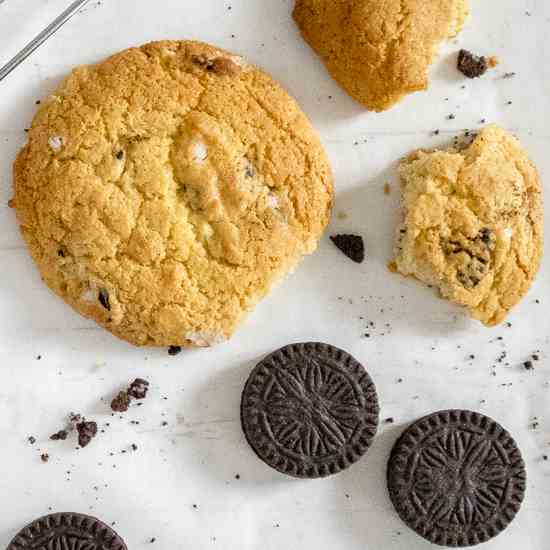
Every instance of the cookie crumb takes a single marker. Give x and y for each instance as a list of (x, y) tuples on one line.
[(389, 420), (387, 189), (174, 350), (44, 457), (121, 403), (471, 65), (138, 388), (31, 439), (351, 245), (528, 365), (86, 432), (61, 435)]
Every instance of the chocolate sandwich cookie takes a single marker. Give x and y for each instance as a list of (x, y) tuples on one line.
[(309, 410), (457, 478), (67, 530)]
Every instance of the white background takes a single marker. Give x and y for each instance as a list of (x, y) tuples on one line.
[(194, 459)]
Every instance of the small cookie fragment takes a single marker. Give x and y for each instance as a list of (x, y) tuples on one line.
[(351, 245), (471, 65), (121, 403), (472, 223), (61, 435), (379, 51), (67, 530), (309, 410), (138, 388), (457, 478), (87, 430)]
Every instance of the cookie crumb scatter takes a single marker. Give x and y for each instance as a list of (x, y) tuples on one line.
[(44, 457), (174, 350), (352, 246)]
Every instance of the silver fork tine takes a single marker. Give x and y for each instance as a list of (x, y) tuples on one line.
[(36, 42)]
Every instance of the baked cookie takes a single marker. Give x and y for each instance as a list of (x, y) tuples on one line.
[(473, 223), (165, 190), (379, 51)]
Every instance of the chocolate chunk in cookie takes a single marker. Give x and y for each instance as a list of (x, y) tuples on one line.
[(67, 531), (457, 478), (309, 410)]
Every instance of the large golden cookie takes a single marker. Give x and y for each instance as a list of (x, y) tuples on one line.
[(165, 190), (379, 50), (473, 223)]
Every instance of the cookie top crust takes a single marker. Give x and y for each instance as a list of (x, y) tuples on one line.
[(473, 223), (379, 51), (164, 191)]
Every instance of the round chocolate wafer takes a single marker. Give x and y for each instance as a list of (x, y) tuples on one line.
[(67, 530), (457, 478), (309, 410)]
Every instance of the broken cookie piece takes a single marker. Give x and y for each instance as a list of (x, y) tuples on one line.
[(472, 223), (379, 51)]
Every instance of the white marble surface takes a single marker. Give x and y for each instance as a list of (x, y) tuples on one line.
[(194, 459)]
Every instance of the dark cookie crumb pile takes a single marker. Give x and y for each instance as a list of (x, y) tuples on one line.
[(471, 65), (351, 245), (137, 390)]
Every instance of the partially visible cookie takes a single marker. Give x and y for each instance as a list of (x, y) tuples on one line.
[(165, 190), (309, 410), (67, 531), (457, 478), (379, 51), (473, 223)]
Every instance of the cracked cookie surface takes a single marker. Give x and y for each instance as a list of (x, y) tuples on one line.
[(379, 51), (165, 190), (473, 223)]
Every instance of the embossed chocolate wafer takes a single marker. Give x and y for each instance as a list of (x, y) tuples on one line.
[(67, 530), (309, 410), (457, 478)]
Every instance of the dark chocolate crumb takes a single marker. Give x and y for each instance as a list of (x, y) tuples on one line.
[(37, 102), (119, 155), (134, 447), (174, 350), (61, 253), (528, 365), (535, 357), (164, 423), (508, 75), (389, 420), (351, 245), (195, 506), (38, 357), (44, 457), (153, 539), (61, 435), (451, 117), (31, 440), (237, 476), (470, 65), (121, 402), (103, 298), (544, 457), (138, 388), (86, 432)]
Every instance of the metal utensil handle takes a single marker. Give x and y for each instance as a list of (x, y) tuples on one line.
[(36, 42)]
